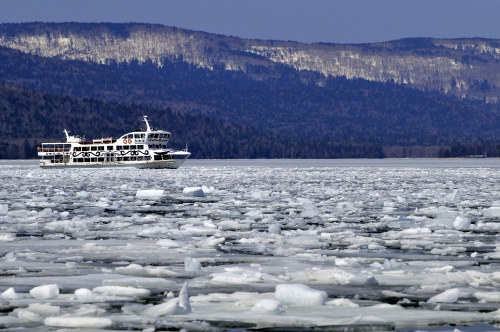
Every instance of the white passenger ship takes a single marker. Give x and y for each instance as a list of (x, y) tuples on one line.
[(140, 149)]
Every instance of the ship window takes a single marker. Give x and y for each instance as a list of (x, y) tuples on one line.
[(93, 148), (67, 147), (109, 148), (140, 147), (119, 159), (137, 135), (85, 148), (143, 136), (133, 147), (147, 158), (87, 160), (100, 159), (130, 136), (78, 148), (126, 147), (168, 136), (133, 158), (140, 158), (80, 160), (119, 147), (93, 160), (126, 158), (100, 148)]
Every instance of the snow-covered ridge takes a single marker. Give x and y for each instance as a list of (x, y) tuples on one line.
[(375, 62)]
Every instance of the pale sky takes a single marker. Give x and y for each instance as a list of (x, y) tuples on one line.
[(335, 21)]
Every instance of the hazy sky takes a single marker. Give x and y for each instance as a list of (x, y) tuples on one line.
[(340, 21)]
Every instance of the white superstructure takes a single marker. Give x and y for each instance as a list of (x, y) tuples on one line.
[(140, 149)]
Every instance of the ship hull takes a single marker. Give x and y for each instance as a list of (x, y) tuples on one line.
[(170, 164)]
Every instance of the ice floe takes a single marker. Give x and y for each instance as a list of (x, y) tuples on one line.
[(260, 247)]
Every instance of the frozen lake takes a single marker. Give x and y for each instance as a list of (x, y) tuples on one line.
[(268, 244)]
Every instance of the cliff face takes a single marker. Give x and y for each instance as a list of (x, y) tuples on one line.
[(463, 67)]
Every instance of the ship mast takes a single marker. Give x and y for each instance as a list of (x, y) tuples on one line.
[(148, 128)]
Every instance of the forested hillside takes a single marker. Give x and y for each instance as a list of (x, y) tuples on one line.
[(28, 118), (341, 110)]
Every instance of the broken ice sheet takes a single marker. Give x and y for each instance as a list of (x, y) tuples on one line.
[(266, 246)]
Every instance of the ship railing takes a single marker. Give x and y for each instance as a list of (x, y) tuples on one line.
[(104, 140), (40, 149)]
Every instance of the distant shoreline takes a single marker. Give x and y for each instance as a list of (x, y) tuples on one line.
[(302, 163)]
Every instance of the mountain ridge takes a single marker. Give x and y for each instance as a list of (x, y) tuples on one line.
[(467, 67)]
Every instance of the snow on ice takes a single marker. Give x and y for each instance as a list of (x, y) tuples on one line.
[(205, 247)]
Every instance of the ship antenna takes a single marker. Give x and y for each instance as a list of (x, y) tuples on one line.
[(148, 128), (67, 134)]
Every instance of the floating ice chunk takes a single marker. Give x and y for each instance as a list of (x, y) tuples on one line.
[(274, 229), (83, 194), (200, 231), (139, 271), (235, 278), (9, 257), (193, 192), (254, 214), (493, 211), (209, 224), (150, 193), (78, 322), (4, 209), (45, 292), (470, 277), (488, 296), (6, 237), (168, 243), (267, 306), (84, 294), (269, 220), (29, 316), (350, 262), (211, 242), (89, 310), (455, 196), (9, 294), (443, 269), (184, 307), (261, 248), (191, 264), (374, 246), (309, 210), (299, 294), (461, 222), (207, 190), (453, 251), (122, 291), (391, 264), (44, 309), (342, 303), (303, 240), (448, 296), (64, 214), (444, 219), (164, 309), (331, 276)]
